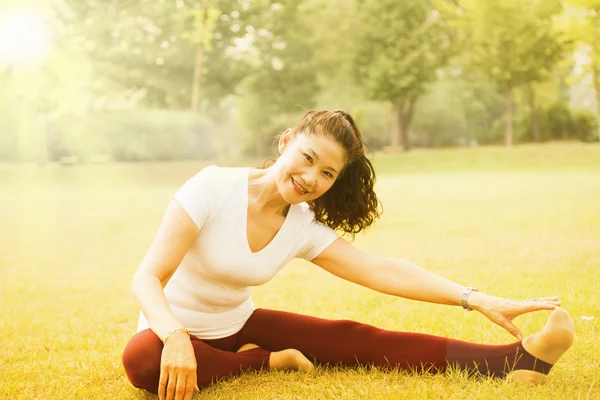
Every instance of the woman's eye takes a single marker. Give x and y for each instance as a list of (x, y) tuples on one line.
[(308, 158), (328, 174)]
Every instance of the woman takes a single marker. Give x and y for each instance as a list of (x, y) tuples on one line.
[(228, 229)]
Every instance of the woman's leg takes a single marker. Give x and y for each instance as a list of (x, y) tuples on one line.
[(351, 343), (142, 355)]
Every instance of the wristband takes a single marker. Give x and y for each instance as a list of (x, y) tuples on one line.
[(465, 296), (173, 331)]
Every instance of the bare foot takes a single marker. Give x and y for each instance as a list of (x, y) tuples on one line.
[(547, 345), (285, 359), (248, 346), (290, 359)]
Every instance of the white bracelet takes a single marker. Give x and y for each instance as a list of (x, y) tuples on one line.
[(173, 331), (465, 296)]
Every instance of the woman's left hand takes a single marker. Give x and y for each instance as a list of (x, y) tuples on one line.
[(503, 311)]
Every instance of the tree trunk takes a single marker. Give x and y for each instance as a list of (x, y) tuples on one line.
[(596, 79), (396, 135), (404, 112), (199, 65), (595, 72), (535, 127), (508, 139)]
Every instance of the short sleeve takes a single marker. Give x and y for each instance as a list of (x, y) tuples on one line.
[(318, 237), (195, 196)]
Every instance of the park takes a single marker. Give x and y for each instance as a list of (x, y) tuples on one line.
[(486, 151), (518, 225)]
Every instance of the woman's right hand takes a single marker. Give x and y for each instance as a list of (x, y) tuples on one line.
[(178, 380)]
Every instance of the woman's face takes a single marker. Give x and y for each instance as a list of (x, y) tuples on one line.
[(308, 166)]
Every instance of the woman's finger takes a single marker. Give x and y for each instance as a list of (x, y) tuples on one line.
[(538, 303), (516, 332), (552, 298), (181, 388), (195, 381), (162, 384), (189, 388), (171, 386), (530, 306)]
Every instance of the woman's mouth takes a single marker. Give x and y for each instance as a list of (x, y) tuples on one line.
[(298, 188)]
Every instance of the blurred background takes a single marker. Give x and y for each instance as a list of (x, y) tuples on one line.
[(91, 81)]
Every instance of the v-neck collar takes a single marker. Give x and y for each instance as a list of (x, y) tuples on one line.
[(246, 201)]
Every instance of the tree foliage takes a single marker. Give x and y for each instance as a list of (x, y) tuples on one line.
[(422, 73), (582, 23), (282, 74), (400, 47), (513, 43)]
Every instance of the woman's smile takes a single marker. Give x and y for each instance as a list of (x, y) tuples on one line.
[(299, 188)]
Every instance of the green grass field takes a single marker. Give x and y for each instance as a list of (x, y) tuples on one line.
[(522, 222)]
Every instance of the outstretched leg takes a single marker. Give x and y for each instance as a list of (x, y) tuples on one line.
[(351, 343)]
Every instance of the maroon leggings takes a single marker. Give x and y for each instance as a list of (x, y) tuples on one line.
[(326, 342)]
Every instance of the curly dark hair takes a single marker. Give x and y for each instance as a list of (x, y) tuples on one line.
[(351, 204)]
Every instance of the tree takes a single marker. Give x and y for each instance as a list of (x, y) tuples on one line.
[(400, 47), (459, 108), (201, 36), (513, 43), (175, 53), (282, 75), (34, 95), (584, 26)]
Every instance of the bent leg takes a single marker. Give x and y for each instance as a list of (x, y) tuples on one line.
[(352, 343), (142, 355)]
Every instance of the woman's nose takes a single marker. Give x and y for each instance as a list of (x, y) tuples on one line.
[(309, 179)]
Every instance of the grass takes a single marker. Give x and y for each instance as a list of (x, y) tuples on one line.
[(517, 223)]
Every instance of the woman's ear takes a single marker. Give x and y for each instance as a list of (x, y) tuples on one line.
[(284, 140)]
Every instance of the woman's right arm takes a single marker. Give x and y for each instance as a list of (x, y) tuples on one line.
[(176, 234)]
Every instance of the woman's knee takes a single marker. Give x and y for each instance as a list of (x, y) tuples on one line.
[(141, 360), (143, 375)]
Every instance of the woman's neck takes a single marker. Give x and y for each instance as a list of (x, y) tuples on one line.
[(263, 193)]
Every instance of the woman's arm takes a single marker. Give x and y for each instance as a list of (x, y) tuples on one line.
[(389, 275), (176, 234), (404, 279), (178, 364)]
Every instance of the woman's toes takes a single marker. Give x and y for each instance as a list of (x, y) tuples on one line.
[(547, 345), (561, 323), (554, 340)]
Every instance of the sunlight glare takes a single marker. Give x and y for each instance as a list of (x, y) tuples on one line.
[(24, 37)]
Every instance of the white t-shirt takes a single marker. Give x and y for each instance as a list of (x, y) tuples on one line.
[(209, 293)]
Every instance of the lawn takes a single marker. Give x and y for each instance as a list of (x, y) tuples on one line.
[(522, 222)]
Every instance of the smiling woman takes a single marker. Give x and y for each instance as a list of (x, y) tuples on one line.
[(227, 230), (25, 37)]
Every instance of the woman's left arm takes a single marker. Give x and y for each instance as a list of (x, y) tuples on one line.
[(404, 279)]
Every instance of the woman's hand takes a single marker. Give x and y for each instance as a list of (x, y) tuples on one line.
[(177, 368), (503, 311)]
